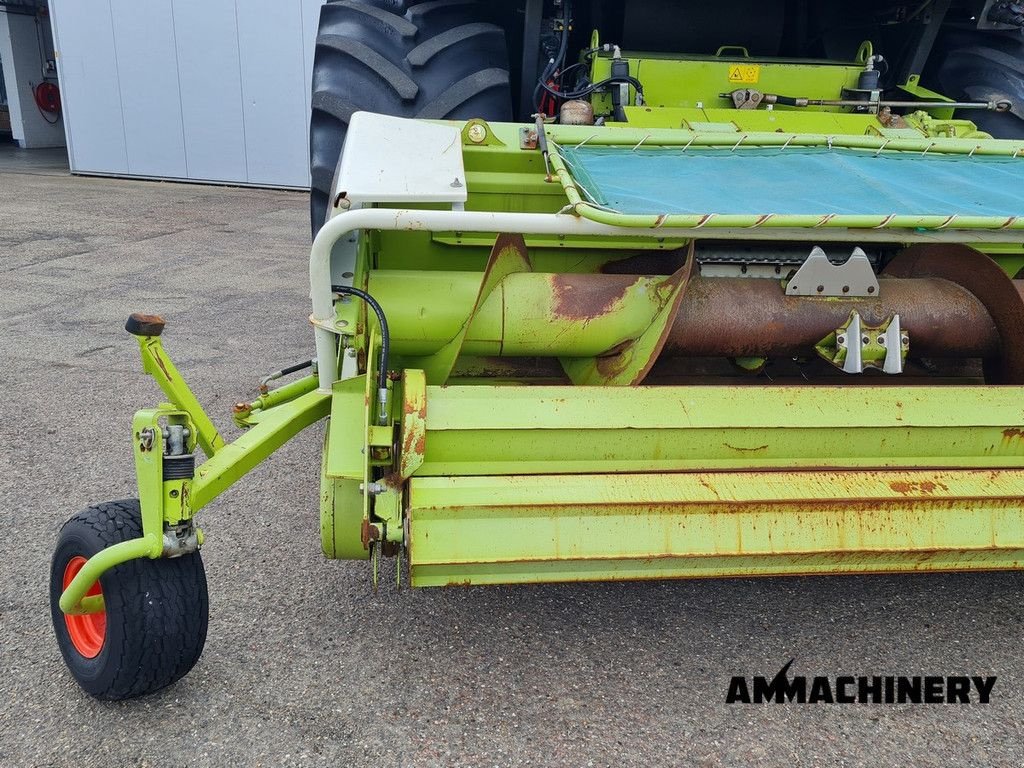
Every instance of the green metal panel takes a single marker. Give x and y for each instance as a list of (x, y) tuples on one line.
[(487, 530), (661, 429), (736, 120), (348, 424), (581, 483), (525, 315), (341, 512), (706, 77)]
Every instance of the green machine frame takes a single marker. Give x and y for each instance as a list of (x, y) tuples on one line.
[(523, 437)]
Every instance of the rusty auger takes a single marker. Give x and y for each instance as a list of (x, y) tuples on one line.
[(610, 329), (647, 305)]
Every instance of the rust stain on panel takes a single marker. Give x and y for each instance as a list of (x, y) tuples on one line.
[(160, 362), (585, 297), (907, 488)]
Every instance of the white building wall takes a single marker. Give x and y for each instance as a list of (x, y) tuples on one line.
[(23, 71), (205, 90)]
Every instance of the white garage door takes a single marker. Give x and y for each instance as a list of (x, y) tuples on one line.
[(208, 90)]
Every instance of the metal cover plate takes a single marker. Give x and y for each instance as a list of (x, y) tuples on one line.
[(394, 160)]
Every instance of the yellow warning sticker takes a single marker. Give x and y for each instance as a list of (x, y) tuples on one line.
[(744, 73)]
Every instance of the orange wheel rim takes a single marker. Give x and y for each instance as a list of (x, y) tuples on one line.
[(87, 631)]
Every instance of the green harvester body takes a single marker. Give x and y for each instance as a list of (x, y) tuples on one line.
[(577, 390)]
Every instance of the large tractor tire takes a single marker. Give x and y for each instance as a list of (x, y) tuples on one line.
[(410, 58), (974, 65)]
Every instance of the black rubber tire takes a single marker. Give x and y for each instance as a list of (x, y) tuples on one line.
[(156, 610), (409, 58), (973, 65)]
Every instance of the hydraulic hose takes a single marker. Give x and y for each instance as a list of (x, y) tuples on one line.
[(594, 86), (559, 59), (385, 344)]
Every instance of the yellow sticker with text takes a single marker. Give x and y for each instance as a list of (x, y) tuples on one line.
[(744, 73)]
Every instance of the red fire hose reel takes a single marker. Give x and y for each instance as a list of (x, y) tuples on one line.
[(47, 96)]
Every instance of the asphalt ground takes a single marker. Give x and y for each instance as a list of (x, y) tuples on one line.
[(304, 664)]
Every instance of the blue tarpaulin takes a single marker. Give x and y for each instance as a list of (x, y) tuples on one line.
[(799, 180)]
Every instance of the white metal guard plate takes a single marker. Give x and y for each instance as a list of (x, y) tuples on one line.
[(395, 160)]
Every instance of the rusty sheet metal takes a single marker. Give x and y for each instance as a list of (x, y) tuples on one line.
[(739, 317), (630, 363), (582, 298), (485, 530), (984, 278), (413, 436)]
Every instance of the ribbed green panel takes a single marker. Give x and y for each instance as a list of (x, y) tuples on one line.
[(489, 430), (482, 530)]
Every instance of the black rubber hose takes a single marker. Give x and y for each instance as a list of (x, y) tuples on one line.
[(593, 87), (296, 368), (552, 66), (385, 334)]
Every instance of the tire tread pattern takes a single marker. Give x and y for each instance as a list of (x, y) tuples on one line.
[(987, 66), (162, 605), (409, 58)]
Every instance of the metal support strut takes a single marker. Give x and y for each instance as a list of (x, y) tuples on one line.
[(164, 437)]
